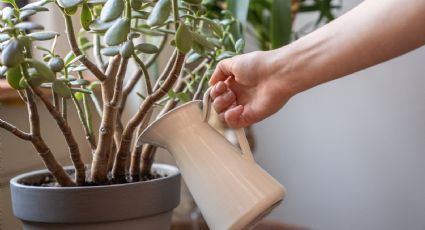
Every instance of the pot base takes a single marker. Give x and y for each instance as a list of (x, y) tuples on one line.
[(131, 206)]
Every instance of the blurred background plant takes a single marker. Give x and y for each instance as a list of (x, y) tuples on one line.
[(271, 21)]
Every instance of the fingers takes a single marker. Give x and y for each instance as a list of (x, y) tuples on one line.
[(222, 71), (218, 89), (224, 101), (233, 117)]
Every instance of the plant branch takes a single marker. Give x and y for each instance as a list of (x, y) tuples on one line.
[(89, 135), (14, 130), (145, 71), (69, 137), (124, 147), (166, 72), (119, 82), (148, 152), (153, 58), (76, 50), (103, 151), (43, 150), (96, 53), (128, 88)]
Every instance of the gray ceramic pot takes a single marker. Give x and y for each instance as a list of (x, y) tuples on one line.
[(140, 205)]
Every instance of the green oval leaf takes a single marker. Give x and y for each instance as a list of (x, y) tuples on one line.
[(78, 96), (85, 17), (34, 8), (112, 10), (99, 26), (26, 13), (61, 89), (56, 64), (216, 27), (240, 45), (193, 58), (68, 3), (159, 13), (147, 48), (43, 35), (4, 37), (8, 13), (34, 79), (118, 32), (183, 39), (202, 40), (110, 51), (12, 55), (127, 49), (79, 82), (29, 26), (71, 10), (96, 2), (13, 77), (3, 70), (37, 3), (44, 71)]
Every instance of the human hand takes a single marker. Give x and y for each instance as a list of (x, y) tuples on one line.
[(247, 89)]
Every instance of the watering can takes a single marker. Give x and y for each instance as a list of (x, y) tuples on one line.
[(230, 189)]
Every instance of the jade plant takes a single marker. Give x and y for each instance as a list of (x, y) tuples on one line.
[(114, 34)]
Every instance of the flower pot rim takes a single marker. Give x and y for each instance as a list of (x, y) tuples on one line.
[(95, 204), (16, 181)]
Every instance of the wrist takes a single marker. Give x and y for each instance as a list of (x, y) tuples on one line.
[(281, 69)]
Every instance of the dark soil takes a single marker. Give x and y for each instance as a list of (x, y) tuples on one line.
[(49, 180)]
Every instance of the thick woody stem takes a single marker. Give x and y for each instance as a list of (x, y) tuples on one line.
[(127, 136), (43, 150), (76, 50), (15, 131), (148, 156), (135, 154), (99, 170), (69, 137)]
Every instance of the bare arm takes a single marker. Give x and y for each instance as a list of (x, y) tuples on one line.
[(258, 84)]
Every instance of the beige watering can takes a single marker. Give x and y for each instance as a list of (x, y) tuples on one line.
[(230, 189)]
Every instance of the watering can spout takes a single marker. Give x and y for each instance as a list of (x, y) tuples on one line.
[(231, 190)]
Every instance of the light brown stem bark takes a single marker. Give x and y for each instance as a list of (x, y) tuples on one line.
[(127, 136), (99, 170), (14, 130), (43, 150), (69, 137), (76, 50)]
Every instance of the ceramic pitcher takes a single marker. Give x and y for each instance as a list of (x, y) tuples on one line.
[(230, 189)]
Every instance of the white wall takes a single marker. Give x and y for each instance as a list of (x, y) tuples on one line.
[(351, 153)]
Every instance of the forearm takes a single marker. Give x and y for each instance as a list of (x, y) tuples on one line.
[(373, 32)]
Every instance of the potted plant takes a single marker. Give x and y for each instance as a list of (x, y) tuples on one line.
[(121, 188)]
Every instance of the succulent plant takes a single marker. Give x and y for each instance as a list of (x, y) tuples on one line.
[(120, 31)]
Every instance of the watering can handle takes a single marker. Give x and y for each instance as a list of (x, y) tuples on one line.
[(240, 133)]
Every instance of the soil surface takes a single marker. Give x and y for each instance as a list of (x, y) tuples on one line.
[(49, 180)]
